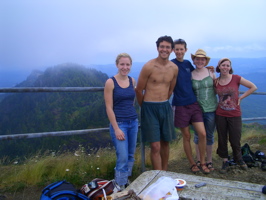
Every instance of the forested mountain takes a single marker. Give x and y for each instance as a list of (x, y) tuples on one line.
[(45, 112)]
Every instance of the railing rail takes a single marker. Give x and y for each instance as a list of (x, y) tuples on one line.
[(50, 89), (52, 134), (253, 118), (68, 89)]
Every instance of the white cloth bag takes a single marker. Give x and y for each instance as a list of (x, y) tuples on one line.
[(160, 190)]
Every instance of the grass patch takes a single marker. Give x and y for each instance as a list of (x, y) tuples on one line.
[(77, 168), (262, 141)]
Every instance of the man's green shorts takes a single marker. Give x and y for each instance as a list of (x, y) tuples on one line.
[(157, 122)]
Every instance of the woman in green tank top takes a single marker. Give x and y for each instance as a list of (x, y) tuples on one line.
[(202, 83)]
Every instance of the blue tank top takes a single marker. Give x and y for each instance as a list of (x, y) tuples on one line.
[(123, 100)]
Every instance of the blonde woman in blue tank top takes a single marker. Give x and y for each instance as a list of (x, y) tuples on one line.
[(202, 83), (119, 96)]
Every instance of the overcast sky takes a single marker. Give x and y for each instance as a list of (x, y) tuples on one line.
[(42, 33)]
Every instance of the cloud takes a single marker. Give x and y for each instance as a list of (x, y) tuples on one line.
[(44, 33)]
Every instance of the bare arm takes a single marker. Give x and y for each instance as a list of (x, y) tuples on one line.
[(108, 97), (134, 82), (252, 87), (141, 85), (173, 82), (212, 74), (134, 86)]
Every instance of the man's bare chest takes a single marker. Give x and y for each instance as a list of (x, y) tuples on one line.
[(161, 76)]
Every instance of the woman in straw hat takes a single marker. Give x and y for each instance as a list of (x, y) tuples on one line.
[(228, 112), (202, 83)]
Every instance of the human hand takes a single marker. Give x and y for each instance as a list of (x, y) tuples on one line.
[(239, 100), (119, 134), (211, 68)]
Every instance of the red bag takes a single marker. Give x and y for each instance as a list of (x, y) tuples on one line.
[(99, 188)]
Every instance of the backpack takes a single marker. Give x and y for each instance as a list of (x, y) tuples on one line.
[(61, 190), (248, 156), (99, 188)]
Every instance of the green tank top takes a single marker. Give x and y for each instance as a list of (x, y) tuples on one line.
[(205, 93)]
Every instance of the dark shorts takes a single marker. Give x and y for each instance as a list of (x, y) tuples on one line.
[(157, 122), (186, 115)]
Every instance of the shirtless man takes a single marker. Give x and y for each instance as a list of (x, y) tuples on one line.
[(155, 85)]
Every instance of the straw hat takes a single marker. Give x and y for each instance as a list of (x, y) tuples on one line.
[(201, 53)]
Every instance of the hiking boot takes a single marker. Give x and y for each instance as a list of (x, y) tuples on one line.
[(128, 183), (232, 162), (242, 165), (225, 167), (122, 187), (117, 187)]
